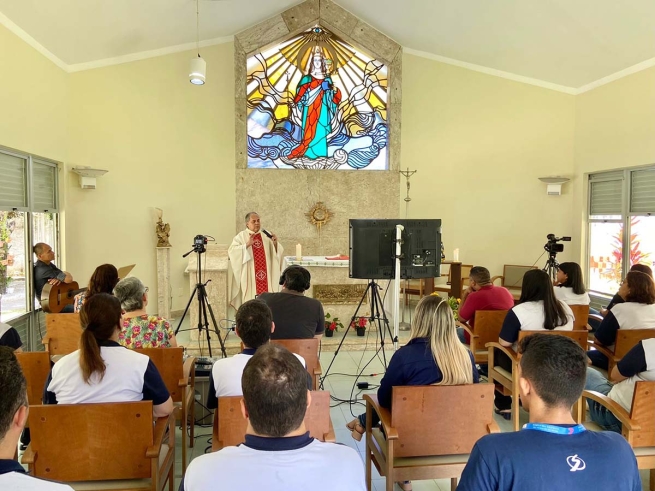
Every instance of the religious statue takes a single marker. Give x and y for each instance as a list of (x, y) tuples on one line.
[(163, 230), (317, 99)]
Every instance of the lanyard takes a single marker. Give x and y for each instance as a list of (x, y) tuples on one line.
[(557, 430)]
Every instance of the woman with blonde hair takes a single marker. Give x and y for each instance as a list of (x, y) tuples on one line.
[(433, 356)]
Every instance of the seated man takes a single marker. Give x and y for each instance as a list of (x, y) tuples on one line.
[(9, 337), (481, 295), (278, 454), (295, 315), (638, 364), (13, 416), (45, 271), (254, 326), (551, 452)]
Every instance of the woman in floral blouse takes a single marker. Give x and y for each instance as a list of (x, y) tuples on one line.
[(140, 330)]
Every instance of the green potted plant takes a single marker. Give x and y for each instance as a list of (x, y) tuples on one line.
[(331, 324)]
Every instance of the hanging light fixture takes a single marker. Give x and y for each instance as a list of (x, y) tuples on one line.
[(198, 66)]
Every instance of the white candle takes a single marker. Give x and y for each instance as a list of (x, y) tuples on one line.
[(298, 252), (456, 255)]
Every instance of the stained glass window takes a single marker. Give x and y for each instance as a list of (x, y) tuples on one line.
[(315, 102)]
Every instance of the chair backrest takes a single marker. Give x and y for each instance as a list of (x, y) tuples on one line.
[(230, 425), (307, 348), (440, 420), (64, 332), (465, 271), (643, 413), (626, 339), (91, 442), (580, 316), (36, 367), (580, 336), (513, 275), (169, 364), (487, 326)]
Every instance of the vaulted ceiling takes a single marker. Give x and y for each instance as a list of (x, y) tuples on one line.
[(570, 44)]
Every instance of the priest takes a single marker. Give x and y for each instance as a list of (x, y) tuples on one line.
[(255, 262)]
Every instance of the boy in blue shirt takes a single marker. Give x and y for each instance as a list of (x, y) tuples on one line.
[(551, 452)]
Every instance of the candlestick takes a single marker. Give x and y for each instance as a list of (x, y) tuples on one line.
[(298, 252)]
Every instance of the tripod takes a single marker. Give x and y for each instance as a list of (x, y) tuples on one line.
[(376, 305), (552, 266), (203, 306)]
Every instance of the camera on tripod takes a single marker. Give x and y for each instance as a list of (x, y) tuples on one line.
[(199, 243), (552, 246)]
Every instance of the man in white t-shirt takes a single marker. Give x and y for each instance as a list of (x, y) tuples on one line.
[(254, 325), (278, 454), (13, 416)]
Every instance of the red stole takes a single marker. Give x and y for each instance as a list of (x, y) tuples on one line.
[(261, 271)]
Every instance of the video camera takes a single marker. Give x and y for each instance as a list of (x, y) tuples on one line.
[(199, 243), (552, 247)]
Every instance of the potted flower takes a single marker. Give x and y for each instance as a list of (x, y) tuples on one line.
[(360, 325), (331, 324), (453, 303)]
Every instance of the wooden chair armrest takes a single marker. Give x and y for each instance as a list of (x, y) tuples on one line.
[(596, 317), (602, 349), (493, 427), (384, 414), (159, 432), (467, 328), (189, 369), (508, 351), (499, 277), (330, 437), (29, 457), (46, 343), (318, 369), (616, 409)]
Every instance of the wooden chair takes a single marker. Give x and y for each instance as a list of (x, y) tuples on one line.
[(580, 316), (451, 288), (638, 426), (429, 433), (36, 367), (512, 277), (180, 381), (508, 382), (626, 339), (230, 425), (412, 287), (308, 349), (486, 329), (101, 446), (62, 333)]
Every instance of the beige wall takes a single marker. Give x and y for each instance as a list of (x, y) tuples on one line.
[(166, 144), (615, 128), (479, 144)]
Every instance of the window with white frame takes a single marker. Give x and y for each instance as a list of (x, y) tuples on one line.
[(621, 225), (28, 214)]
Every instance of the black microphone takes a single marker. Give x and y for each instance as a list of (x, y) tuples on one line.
[(267, 233)]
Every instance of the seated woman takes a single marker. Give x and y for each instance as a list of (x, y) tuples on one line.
[(102, 370), (433, 355), (638, 364), (103, 280), (140, 330), (570, 287), (537, 310), (636, 312)]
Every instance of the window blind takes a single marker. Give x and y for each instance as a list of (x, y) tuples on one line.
[(642, 198), (13, 184), (44, 187), (606, 193)]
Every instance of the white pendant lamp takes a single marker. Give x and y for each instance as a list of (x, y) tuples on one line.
[(198, 66)]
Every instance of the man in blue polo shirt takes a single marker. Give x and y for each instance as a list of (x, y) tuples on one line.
[(13, 415), (278, 454), (551, 452)]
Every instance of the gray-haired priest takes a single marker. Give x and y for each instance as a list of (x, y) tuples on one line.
[(255, 262)]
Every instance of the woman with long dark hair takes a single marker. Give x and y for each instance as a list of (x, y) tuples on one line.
[(637, 311), (537, 310), (102, 370), (103, 280), (570, 287)]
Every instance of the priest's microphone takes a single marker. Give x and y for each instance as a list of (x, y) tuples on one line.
[(267, 233)]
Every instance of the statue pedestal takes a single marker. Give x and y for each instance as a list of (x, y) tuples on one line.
[(214, 268), (164, 282)]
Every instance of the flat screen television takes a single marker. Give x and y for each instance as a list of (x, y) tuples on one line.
[(372, 248)]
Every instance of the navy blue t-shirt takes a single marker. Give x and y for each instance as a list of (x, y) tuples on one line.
[(532, 460)]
